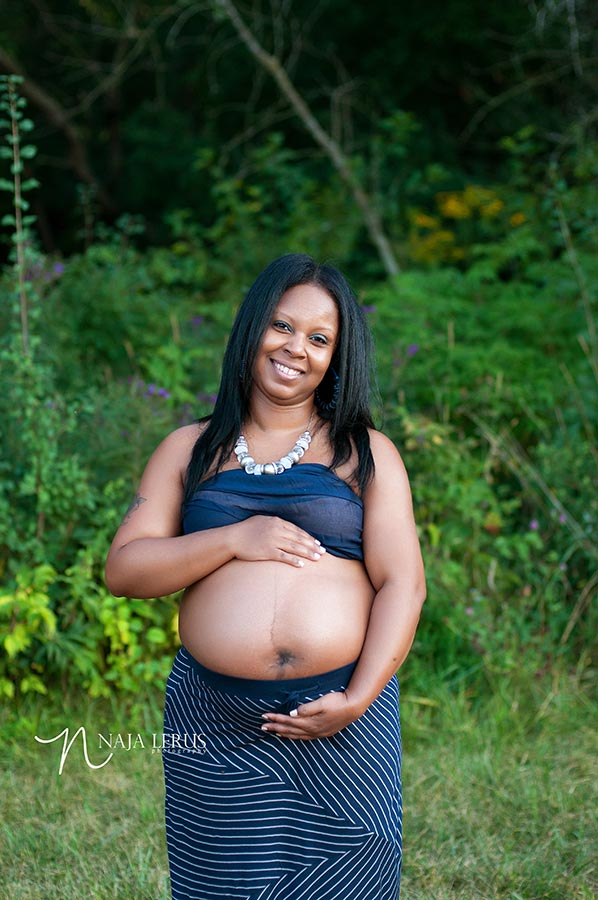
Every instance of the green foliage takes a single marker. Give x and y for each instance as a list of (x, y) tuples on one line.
[(57, 517), (488, 367), (466, 74), (274, 206), (499, 378), (57, 618)]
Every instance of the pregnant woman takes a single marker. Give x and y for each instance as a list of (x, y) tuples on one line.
[(288, 521)]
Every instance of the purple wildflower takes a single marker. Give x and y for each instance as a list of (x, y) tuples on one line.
[(412, 349), (534, 525), (207, 398), (469, 610), (563, 566), (196, 321), (369, 309), (58, 268), (162, 392), (562, 518), (151, 389)]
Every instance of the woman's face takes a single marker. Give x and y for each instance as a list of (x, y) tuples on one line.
[(298, 344)]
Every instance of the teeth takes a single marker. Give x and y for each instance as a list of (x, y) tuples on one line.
[(286, 369)]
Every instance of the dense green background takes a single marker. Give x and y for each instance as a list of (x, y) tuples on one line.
[(172, 169)]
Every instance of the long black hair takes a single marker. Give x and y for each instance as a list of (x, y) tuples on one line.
[(349, 417)]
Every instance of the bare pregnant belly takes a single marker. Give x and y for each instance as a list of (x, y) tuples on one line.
[(270, 620)]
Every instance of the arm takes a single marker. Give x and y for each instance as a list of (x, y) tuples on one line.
[(394, 564), (149, 557)]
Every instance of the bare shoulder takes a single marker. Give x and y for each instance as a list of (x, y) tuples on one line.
[(390, 485), (177, 446), (184, 438), (386, 456)]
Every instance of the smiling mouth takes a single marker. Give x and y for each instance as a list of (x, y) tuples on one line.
[(287, 371)]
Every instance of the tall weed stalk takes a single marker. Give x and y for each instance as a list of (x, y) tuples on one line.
[(58, 622)]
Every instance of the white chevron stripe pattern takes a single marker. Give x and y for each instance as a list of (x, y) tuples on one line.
[(256, 817)]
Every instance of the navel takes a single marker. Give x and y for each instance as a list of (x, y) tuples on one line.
[(283, 663), (285, 658)]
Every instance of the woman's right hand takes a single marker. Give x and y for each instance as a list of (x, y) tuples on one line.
[(268, 537)]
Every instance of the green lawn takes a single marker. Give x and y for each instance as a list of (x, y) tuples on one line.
[(500, 802)]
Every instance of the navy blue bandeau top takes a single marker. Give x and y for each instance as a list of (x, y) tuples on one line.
[(310, 495)]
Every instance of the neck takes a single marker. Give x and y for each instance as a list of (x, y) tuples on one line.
[(266, 416)]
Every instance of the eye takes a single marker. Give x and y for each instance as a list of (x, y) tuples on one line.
[(319, 339), (284, 326)]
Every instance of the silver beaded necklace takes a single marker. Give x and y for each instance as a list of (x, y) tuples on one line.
[(247, 462)]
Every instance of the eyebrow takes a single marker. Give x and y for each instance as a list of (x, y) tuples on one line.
[(325, 329)]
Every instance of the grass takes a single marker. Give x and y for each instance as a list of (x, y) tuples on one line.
[(501, 801), (87, 833)]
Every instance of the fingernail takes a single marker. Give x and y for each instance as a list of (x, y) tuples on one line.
[(265, 716), (317, 541), (293, 712), (300, 563), (316, 555), (264, 728)]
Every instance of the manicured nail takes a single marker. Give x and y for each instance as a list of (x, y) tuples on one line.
[(293, 712)]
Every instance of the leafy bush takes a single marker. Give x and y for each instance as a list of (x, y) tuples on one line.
[(58, 507), (499, 378), (487, 382)]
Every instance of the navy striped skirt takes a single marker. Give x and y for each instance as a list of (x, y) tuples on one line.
[(252, 816)]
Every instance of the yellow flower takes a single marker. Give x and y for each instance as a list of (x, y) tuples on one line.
[(453, 206), (425, 221), (516, 219), (491, 209)]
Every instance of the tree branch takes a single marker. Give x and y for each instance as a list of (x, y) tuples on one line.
[(521, 88), (332, 149)]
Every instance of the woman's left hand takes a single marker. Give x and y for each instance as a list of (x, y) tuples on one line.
[(315, 719)]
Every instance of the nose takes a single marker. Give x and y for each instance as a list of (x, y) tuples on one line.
[(295, 344)]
